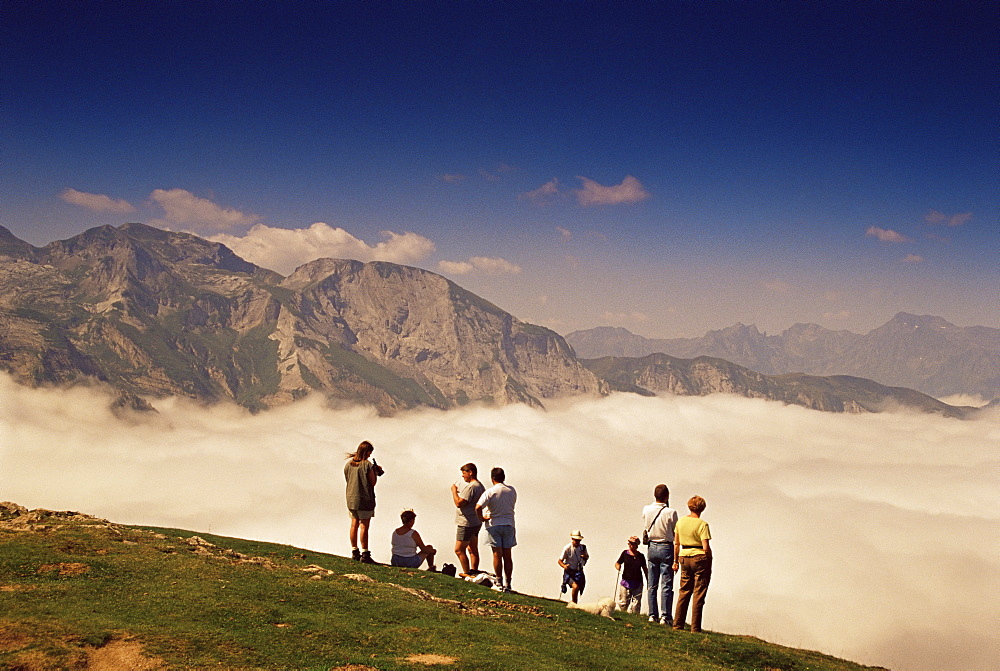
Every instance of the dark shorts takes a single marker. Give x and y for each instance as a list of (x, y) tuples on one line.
[(468, 533)]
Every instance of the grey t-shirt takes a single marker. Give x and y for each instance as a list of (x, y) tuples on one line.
[(465, 516), (360, 494)]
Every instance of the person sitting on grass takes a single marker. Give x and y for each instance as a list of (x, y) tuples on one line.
[(408, 549)]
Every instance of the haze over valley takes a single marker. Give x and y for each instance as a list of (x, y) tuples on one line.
[(830, 530)]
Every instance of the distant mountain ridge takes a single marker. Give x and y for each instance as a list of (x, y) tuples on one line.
[(154, 313), (159, 313), (655, 374), (925, 353)]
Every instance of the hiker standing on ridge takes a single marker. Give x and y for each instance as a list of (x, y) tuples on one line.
[(496, 510), (691, 546), (658, 520), (361, 476), (465, 495), (572, 560), (632, 565)]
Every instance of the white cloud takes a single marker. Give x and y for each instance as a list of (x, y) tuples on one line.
[(912, 258), (183, 208), (451, 178), (483, 264), (974, 400), (455, 267), (564, 233), (96, 202), (936, 218), (855, 504), (285, 249), (543, 194), (886, 235), (629, 191)]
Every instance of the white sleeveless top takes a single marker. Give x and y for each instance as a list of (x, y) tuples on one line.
[(403, 544)]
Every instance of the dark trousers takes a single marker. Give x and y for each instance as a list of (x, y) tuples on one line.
[(696, 573)]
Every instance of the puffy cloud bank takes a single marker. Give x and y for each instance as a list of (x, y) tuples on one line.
[(183, 208), (96, 201), (285, 249), (871, 537)]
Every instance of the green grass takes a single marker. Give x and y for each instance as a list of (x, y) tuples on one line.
[(195, 611)]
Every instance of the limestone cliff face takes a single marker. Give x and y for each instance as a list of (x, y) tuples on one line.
[(152, 312), (446, 345)]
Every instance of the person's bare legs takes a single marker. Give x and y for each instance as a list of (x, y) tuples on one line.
[(354, 532), (363, 524), (474, 554), (498, 564), (463, 559), (508, 564)]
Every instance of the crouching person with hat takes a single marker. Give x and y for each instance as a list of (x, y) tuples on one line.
[(408, 549), (572, 560)]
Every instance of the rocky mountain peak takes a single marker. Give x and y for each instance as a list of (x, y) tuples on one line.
[(13, 247), (155, 312)]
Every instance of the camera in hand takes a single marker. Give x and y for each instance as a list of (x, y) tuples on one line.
[(378, 469)]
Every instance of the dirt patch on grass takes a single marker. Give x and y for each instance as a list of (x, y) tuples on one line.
[(354, 667), (430, 660), (122, 654), (11, 640), (64, 568)]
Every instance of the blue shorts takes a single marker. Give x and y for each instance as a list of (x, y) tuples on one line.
[(501, 537), (407, 562)]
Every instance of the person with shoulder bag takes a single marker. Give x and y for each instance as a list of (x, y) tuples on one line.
[(658, 522)]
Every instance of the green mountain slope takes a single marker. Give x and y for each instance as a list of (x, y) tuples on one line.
[(79, 592)]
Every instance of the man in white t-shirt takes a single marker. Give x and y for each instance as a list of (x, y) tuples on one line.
[(658, 519), (572, 560), (496, 509)]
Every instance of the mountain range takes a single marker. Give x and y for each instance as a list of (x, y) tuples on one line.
[(925, 353), (154, 313)]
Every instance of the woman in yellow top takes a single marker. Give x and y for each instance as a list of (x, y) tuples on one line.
[(691, 549)]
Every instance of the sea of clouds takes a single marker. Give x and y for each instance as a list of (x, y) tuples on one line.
[(872, 537)]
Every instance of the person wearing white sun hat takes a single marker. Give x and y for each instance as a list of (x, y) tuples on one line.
[(572, 560)]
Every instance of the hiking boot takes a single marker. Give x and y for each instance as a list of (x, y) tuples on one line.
[(666, 622), (366, 558), (652, 619), (356, 554)]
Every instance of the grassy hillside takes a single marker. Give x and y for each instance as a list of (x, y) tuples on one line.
[(78, 592)]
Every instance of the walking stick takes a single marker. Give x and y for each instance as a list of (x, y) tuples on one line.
[(618, 586)]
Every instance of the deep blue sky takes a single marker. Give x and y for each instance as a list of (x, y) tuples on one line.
[(766, 163)]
